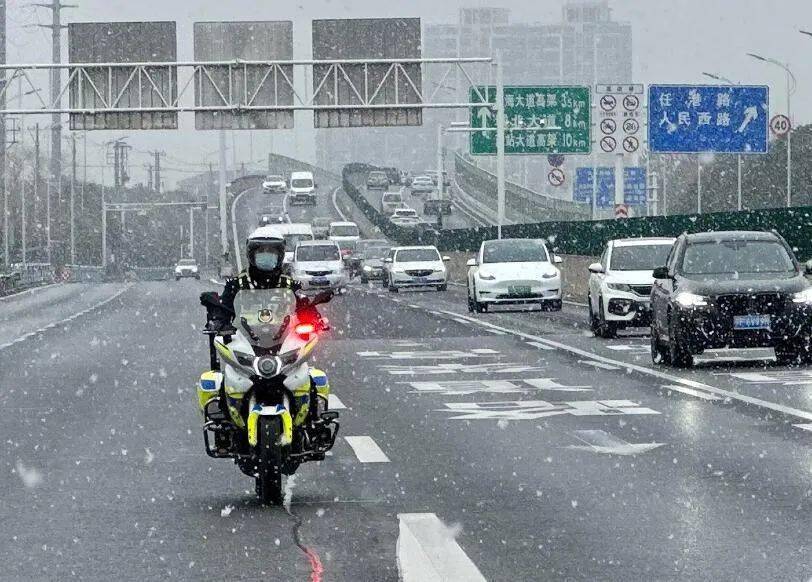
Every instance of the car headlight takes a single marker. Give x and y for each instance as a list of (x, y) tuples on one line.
[(367, 268), (686, 299), (485, 276), (398, 270), (621, 287), (551, 275), (804, 296)]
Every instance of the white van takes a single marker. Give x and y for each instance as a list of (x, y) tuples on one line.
[(293, 233), (390, 201), (302, 189)]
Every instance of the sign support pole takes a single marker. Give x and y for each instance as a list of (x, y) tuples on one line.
[(222, 203), (739, 189), (619, 179), (698, 184), (500, 147)]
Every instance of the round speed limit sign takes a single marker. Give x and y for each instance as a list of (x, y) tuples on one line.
[(780, 125)]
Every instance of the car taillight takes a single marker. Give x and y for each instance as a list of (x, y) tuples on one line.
[(346, 253), (305, 329)]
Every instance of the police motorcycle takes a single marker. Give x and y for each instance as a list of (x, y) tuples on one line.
[(263, 405)]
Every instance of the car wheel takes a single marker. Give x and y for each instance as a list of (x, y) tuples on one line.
[(443, 287), (177, 278), (659, 355), (392, 288), (554, 305), (364, 280), (608, 328), (678, 353), (197, 277)]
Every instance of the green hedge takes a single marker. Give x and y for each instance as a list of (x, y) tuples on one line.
[(589, 237)]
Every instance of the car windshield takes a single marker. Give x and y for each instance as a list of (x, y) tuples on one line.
[(638, 257), (378, 176), (737, 257), (301, 183), (344, 230), (274, 178), (376, 252), (187, 262), (417, 255), (392, 198), (321, 222), (515, 251), (307, 253)]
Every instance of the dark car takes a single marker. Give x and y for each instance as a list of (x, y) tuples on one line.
[(377, 180), (730, 290), (370, 259)]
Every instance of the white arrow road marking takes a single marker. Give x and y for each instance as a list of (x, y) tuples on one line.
[(600, 365), (535, 409), (600, 441), (448, 368), (466, 387), (430, 355), (334, 403), (366, 449), (750, 114), (692, 392), (428, 552)]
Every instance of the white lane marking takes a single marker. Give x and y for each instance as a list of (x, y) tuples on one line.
[(494, 331), (366, 449), (458, 320), (807, 426), (466, 387), (786, 378), (787, 410), (334, 403), (428, 552), (630, 348), (600, 365), (600, 441), (536, 409), (67, 319), (335, 204), (216, 282), (446, 368), (691, 392), (539, 346)]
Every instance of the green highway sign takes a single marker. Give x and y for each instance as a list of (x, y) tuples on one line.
[(531, 109)]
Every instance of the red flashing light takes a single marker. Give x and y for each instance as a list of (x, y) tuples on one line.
[(305, 329)]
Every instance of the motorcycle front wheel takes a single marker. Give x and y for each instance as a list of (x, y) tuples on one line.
[(269, 469)]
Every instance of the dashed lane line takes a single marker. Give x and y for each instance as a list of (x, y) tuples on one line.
[(66, 320), (366, 449), (334, 403)]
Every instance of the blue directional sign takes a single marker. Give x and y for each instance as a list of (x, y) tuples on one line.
[(634, 186), (708, 118)]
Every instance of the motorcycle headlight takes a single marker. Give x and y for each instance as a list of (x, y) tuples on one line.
[(804, 296), (244, 359), (620, 287), (485, 276), (267, 366), (686, 299)]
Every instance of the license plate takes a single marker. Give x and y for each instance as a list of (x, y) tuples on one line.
[(320, 281), (748, 322), (421, 279), (519, 290)]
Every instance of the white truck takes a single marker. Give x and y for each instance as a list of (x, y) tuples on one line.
[(302, 189)]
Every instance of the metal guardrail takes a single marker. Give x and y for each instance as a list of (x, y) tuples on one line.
[(85, 273), (21, 277)]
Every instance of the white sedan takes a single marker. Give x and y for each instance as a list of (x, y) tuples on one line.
[(620, 284), (274, 184), (513, 271), (413, 267)]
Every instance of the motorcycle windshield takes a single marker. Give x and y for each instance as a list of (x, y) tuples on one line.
[(265, 313)]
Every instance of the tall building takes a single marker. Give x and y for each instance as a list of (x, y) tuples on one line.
[(585, 47)]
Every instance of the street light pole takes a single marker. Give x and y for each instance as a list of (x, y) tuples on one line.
[(792, 84), (500, 147), (738, 156)]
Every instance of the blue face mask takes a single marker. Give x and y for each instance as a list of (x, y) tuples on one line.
[(266, 261)]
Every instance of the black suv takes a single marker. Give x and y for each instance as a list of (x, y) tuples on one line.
[(730, 290)]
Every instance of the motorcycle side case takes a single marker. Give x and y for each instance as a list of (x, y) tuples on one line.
[(208, 387), (302, 393)]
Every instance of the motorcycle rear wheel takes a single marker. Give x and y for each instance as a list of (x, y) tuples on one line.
[(269, 469)]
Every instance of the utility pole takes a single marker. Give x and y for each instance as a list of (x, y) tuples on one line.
[(73, 201), (36, 174), (6, 257), (157, 169), (150, 176), (56, 26)]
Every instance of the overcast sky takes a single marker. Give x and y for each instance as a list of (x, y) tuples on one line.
[(674, 41)]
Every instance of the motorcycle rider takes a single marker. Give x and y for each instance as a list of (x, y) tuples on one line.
[(265, 264)]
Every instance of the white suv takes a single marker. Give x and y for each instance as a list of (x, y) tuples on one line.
[(413, 267), (514, 271), (620, 284)]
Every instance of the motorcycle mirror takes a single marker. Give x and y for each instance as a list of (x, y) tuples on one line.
[(329, 416)]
